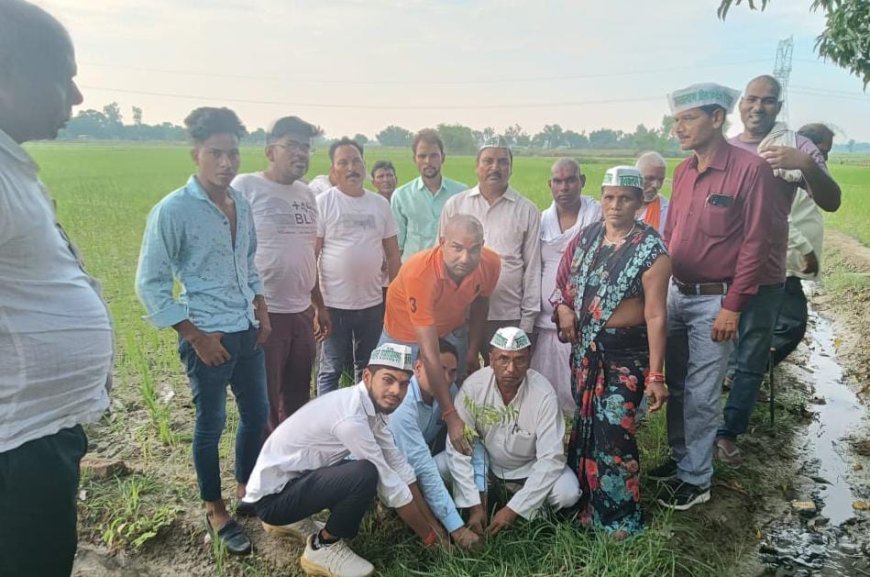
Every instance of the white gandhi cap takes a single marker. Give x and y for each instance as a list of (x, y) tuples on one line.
[(510, 339), (704, 94), (623, 176), (394, 356)]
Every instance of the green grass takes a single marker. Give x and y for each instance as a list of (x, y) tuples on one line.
[(103, 196)]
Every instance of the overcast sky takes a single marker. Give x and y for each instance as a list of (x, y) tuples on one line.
[(359, 65)]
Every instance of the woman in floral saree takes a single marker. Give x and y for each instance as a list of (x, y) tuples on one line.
[(613, 282)]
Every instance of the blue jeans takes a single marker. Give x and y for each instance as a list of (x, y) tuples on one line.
[(750, 358), (246, 374), (695, 367), (354, 336)]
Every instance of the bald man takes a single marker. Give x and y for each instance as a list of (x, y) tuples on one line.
[(797, 162), (434, 293), (569, 213), (55, 334)]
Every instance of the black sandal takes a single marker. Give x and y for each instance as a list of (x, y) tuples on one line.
[(232, 536)]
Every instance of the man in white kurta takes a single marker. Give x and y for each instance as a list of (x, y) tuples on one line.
[(569, 213), (516, 418)]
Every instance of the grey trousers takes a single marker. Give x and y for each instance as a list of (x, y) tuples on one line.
[(695, 366)]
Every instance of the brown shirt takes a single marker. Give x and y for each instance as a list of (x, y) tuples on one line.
[(718, 226)]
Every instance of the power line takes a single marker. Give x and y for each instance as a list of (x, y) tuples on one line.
[(380, 106), (834, 92), (823, 94), (417, 82)]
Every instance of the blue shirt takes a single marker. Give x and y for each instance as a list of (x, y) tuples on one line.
[(187, 238), (417, 212), (415, 426)]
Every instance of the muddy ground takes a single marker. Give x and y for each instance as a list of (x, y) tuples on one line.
[(752, 521)]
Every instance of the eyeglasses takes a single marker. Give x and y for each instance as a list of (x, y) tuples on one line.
[(293, 146), (504, 362)]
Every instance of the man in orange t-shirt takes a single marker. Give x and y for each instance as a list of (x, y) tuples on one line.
[(434, 293)]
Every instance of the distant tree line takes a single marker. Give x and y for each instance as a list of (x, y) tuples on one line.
[(108, 124)]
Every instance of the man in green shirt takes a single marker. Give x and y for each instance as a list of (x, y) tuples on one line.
[(417, 205)]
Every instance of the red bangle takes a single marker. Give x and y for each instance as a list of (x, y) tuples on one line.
[(430, 539), (447, 413)]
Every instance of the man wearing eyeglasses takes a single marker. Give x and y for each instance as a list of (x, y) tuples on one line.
[(515, 416), (285, 218)]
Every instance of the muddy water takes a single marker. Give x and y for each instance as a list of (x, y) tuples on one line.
[(833, 540), (836, 414)]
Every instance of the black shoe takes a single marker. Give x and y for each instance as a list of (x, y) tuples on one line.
[(245, 509), (232, 536), (664, 472), (683, 496)]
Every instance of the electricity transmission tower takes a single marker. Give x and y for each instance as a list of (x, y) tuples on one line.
[(782, 72)]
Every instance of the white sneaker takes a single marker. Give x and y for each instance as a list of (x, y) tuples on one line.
[(336, 560), (301, 529)]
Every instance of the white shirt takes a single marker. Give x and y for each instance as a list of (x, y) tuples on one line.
[(526, 443), (806, 227), (55, 332), (511, 227), (553, 244), (663, 215), (325, 431), (319, 184), (285, 218), (353, 230)]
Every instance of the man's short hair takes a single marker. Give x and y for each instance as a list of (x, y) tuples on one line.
[(27, 30), (773, 81), (651, 158), (207, 121), (383, 165), (429, 136), (482, 148), (344, 141), (466, 222), (710, 109), (292, 125), (566, 163), (816, 132), (445, 347)]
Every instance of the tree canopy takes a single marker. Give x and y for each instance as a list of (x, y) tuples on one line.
[(845, 41)]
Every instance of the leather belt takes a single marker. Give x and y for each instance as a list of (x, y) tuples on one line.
[(701, 289)]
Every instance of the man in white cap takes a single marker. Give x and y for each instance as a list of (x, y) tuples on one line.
[(304, 468), (515, 417), (511, 227), (717, 235), (568, 214), (654, 169)]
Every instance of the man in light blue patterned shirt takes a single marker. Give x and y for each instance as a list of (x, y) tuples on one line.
[(416, 426), (202, 235)]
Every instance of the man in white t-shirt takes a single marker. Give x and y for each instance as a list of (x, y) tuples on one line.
[(285, 217), (355, 233), (55, 333)]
